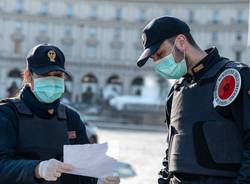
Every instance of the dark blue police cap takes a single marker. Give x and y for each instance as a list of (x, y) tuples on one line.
[(45, 58), (156, 32)]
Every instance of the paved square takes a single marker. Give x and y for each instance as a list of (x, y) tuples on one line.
[(143, 150)]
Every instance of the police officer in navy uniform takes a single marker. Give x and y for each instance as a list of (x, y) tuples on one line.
[(208, 107), (34, 126)]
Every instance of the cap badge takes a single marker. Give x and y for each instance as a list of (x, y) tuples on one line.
[(52, 55)]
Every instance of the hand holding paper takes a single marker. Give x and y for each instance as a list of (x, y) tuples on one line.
[(89, 160)]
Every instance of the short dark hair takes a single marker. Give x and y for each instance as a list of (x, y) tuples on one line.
[(189, 38)]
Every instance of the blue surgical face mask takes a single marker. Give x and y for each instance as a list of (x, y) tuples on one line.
[(48, 89), (169, 69)]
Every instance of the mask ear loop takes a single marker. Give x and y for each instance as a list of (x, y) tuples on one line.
[(184, 55), (173, 46)]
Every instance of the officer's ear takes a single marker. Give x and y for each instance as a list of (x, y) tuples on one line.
[(27, 76), (181, 42)]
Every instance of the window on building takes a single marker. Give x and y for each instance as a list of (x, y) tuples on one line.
[(17, 46), (44, 8), (215, 36), (239, 17), (216, 17), (191, 16), (116, 53), (118, 14), (142, 16), (168, 12), (19, 24), (239, 36), (117, 33), (137, 85), (69, 10), (238, 56), (91, 51), (67, 30), (92, 32), (19, 6), (93, 12), (44, 27), (67, 48)]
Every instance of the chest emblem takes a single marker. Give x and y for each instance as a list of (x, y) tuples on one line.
[(227, 87)]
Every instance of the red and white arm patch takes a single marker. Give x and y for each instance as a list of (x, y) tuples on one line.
[(227, 87)]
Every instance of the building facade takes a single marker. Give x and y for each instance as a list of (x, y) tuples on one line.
[(101, 39)]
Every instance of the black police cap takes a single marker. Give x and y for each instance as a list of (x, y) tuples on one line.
[(156, 32), (45, 58)]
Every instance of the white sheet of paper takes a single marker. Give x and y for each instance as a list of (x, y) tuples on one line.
[(89, 160)]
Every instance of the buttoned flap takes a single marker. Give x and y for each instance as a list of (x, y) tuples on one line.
[(217, 144), (223, 141)]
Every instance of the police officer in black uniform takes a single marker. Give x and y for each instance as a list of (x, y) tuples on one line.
[(34, 126), (207, 111)]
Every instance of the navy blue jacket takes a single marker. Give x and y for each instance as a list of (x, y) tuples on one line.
[(22, 171), (238, 111)]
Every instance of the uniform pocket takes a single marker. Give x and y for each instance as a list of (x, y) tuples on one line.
[(223, 140), (217, 145)]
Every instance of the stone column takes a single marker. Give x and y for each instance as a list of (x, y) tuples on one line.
[(126, 86), (76, 89)]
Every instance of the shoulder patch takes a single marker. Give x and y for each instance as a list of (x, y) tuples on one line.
[(227, 87)]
